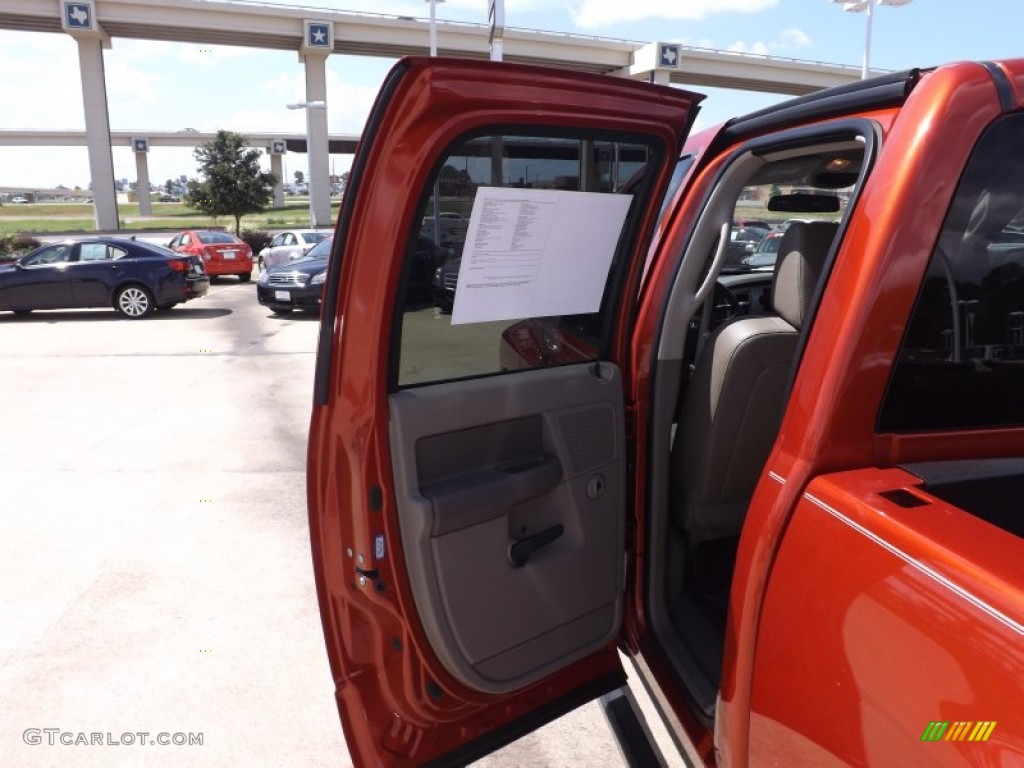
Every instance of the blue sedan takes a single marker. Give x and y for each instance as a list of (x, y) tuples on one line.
[(132, 277)]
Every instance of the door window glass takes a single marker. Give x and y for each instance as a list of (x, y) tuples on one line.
[(511, 256), (961, 365), (52, 255), (93, 252)]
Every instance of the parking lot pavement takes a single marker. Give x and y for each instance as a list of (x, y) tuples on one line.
[(155, 572), (154, 568)]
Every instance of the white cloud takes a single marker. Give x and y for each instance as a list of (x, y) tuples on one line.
[(788, 40), (128, 90), (212, 55), (348, 106), (48, 96), (757, 48), (420, 9), (288, 86), (126, 49), (603, 13), (793, 38)]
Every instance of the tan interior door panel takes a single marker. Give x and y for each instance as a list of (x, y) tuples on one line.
[(510, 493)]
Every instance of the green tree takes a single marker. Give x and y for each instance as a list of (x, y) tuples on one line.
[(299, 176), (232, 183)]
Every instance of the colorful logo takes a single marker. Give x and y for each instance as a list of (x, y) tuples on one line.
[(958, 731)]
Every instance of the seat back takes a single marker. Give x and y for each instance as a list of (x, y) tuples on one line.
[(736, 397)]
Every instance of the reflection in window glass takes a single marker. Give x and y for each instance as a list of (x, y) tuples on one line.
[(92, 252), (432, 348), (53, 254), (962, 361), (212, 238)]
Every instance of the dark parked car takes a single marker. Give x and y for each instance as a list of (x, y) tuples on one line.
[(742, 242), (296, 284), (299, 284), (444, 283), (135, 278)]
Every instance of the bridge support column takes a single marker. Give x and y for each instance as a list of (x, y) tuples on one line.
[(275, 168), (317, 149), (142, 176), (97, 129), (317, 45)]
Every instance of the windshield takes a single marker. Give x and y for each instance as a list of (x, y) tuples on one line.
[(322, 250), (769, 244), (215, 237)]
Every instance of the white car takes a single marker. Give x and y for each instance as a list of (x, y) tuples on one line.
[(288, 246), (19, 201)]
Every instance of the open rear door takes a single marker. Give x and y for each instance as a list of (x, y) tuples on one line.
[(467, 460)]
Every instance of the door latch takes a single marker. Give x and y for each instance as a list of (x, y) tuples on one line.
[(519, 553)]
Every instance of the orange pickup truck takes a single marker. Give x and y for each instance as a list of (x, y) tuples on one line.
[(790, 493)]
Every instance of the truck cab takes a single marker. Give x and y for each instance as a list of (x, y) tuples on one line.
[(788, 495)]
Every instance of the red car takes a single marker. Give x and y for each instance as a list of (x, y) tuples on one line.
[(790, 497), (222, 253)]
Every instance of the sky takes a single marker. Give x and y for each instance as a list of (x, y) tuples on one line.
[(162, 86)]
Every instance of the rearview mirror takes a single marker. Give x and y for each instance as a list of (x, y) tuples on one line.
[(804, 202)]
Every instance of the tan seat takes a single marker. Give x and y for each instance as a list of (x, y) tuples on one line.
[(733, 407)]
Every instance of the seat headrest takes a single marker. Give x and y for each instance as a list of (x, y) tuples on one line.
[(801, 259)]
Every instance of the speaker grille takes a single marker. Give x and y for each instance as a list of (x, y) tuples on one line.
[(590, 437)]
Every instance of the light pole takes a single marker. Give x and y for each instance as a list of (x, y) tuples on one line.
[(313, 190), (437, 181), (433, 26), (496, 16), (858, 6)]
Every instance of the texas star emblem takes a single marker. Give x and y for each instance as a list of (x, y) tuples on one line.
[(319, 36)]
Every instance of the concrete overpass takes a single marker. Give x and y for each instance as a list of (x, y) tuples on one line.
[(317, 33), (339, 144)]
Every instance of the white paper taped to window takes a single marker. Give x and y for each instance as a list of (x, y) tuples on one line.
[(537, 252)]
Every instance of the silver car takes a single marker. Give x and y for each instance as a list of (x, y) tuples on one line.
[(287, 246)]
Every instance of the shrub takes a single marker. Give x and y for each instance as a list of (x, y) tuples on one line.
[(13, 245), (257, 239)]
